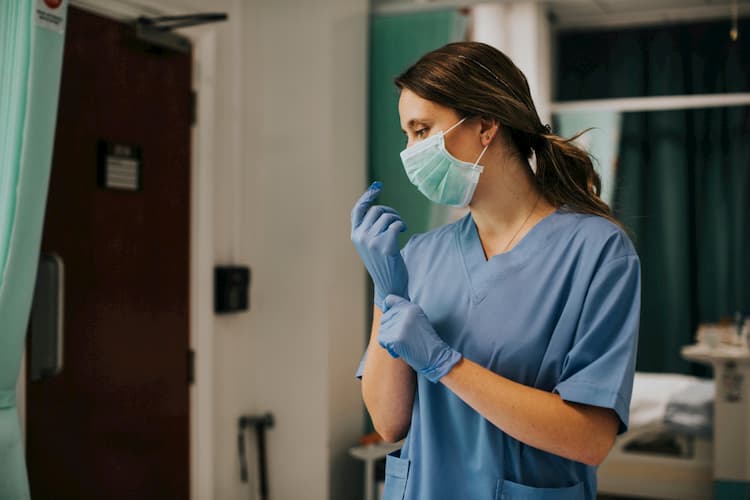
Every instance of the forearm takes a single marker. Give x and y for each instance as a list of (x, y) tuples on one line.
[(388, 387), (538, 418)]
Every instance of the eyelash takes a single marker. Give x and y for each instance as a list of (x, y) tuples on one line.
[(417, 132)]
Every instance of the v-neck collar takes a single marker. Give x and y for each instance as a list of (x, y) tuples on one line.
[(480, 271)]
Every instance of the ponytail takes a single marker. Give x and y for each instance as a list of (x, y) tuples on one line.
[(566, 175)]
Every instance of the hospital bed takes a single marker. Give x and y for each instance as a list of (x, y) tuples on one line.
[(667, 452)]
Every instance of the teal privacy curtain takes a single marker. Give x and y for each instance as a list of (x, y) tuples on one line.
[(683, 176), (396, 42), (31, 45)]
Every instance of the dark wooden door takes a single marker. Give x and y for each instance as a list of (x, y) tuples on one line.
[(114, 423)]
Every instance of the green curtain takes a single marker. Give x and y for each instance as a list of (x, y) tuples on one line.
[(683, 176), (396, 42), (31, 45)]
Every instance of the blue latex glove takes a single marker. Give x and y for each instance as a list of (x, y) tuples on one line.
[(406, 332), (375, 236)]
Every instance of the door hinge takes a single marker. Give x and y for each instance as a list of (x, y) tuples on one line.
[(193, 108), (191, 367)]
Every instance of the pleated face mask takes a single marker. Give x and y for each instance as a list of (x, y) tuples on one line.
[(439, 175)]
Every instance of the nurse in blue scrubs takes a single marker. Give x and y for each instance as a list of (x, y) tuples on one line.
[(503, 345)]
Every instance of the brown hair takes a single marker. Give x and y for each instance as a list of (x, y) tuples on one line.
[(476, 79)]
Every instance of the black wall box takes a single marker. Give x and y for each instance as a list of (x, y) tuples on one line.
[(231, 289)]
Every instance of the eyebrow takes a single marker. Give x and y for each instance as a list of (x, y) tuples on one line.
[(414, 121)]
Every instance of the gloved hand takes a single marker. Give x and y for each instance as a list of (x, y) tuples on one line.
[(375, 236), (406, 332)]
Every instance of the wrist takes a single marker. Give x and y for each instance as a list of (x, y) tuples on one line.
[(446, 360), (379, 299)]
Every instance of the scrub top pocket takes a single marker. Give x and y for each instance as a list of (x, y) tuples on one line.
[(508, 490), (396, 475)]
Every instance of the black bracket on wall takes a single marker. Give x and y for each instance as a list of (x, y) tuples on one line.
[(259, 423), (157, 30)]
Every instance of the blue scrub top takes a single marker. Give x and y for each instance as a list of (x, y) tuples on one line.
[(559, 312)]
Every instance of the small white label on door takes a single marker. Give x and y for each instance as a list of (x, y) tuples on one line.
[(50, 14)]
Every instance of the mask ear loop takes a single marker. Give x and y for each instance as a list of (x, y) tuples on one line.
[(476, 163), (459, 122), (480, 154)]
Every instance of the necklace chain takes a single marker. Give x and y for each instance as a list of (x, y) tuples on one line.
[(523, 223)]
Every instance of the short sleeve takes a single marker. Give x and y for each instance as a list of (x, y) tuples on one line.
[(404, 250), (600, 366), (361, 368)]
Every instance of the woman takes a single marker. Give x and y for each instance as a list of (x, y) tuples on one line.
[(503, 345)]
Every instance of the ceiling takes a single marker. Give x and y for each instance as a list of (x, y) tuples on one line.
[(571, 14)]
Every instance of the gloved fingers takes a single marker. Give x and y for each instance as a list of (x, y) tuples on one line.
[(384, 222), (393, 300), (397, 227), (389, 314), (364, 202), (371, 216), (392, 307), (390, 210), (373, 213)]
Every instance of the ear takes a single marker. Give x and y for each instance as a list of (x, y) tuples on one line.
[(488, 130)]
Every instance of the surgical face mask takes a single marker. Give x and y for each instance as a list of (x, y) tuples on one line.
[(439, 175)]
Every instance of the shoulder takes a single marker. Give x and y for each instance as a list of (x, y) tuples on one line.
[(434, 238), (596, 236)]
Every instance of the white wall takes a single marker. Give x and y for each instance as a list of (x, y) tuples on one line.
[(291, 130)]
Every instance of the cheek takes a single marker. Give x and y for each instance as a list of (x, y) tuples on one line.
[(463, 147)]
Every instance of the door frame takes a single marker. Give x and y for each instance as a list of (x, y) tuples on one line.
[(201, 317)]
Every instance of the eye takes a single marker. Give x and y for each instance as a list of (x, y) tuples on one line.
[(419, 132)]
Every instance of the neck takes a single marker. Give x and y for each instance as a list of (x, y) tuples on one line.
[(506, 196)]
